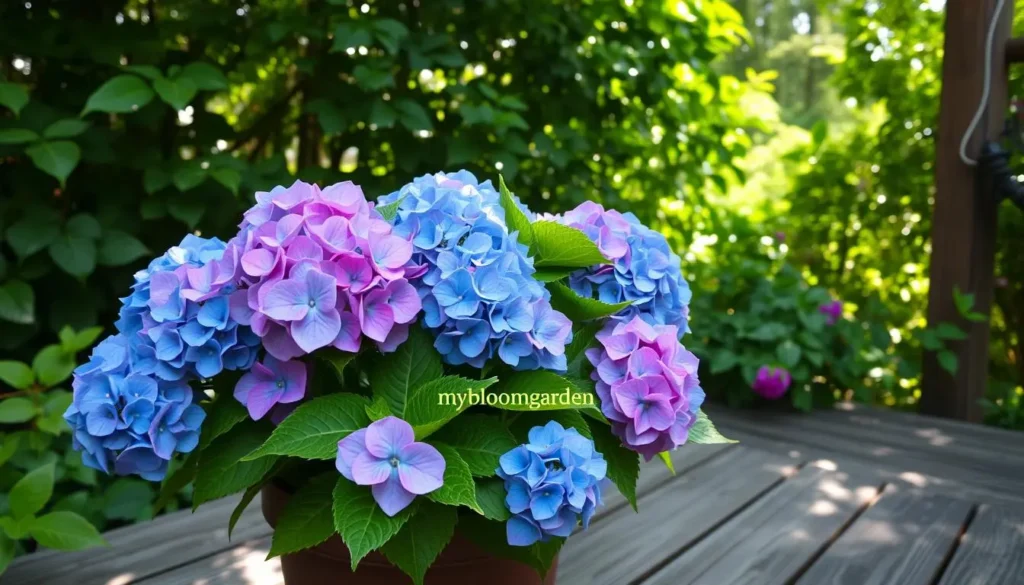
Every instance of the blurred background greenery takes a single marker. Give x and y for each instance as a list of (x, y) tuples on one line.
[(786, 148)]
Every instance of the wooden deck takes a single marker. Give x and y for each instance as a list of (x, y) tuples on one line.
[(854, 497)]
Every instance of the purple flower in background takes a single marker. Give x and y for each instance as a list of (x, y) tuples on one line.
[(552, 484), (644, 270), (648, 386), (780, 236), (771, 383), (833, 311), (386, 456), (270, 383)]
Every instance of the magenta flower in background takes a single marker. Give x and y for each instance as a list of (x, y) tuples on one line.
[(780, 236), (833, 311), (385, 456), (772, 383), (321, 268), (648, 386), (270, 383)]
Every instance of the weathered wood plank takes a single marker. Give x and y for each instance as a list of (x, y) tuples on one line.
[(770, 542), (627, 545), (245, 564), (143, 549), (991, 551), (902, 539)]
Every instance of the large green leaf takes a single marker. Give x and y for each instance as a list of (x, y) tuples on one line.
[(540, 390), (13, 96), (307, 519), (177, 92), (56, 159), (119, 95), (16, 374), (204, 76), (562, 246), (221, 470), (221, 416), (421, 540), (314, 429), (17, 136), (578, 308), (458, 488), (17, 302), (33, 233), (623, 464), (6, 552), (127, 499), (490, 496), (64, 530), (397, 374), (703, 432), (66, 128), (32, 491), (514, 216), (363, 526), (480, 440), (53, 365), (74, 255), (17, 409), (118, 248), (436, 402)]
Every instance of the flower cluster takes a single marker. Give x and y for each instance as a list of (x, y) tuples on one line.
[(386, 456), (833, 311), (647, 383), (644, 270), (479, 294), (320, 268), (551, 484), (771, 383), (129, 422)]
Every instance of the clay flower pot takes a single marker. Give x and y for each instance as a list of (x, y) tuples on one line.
[(462, 562)]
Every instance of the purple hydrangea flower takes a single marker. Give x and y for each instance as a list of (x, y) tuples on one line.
[(644, 270), (772, 383), (552, 484), (127, 422), (833, 311), (271, 383), (321, 268), (386, 456), (480, 297), (647, 383)]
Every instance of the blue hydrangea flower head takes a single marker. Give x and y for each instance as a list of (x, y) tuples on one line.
[(480, 298), (644, 269), (552, 484)]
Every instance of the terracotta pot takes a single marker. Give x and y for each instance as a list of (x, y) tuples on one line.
[(462, 562)]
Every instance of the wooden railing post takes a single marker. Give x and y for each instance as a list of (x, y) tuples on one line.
[(964, 220)]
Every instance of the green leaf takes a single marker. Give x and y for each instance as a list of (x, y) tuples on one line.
[(578, 308), (964, 302), (74, 342), (53, 365), (382, 114), (204, 76), (490, 496), (127, 499), (6, 552), (948, 361), (221, 416), (17, 136), (929, 340), (230, 178), (540, 390), (421, 540), (16, 374), (390, 33), (188, 211), (221, 470), (148, 71), (66, 128), (623, 464), (314, 429), (83, 225), (363, 526), (118, 248), (515, 218), (33, 233), (56, 159), (415, 363), (349, 35), (458, 488), (155, 179), (337, 360), (666, 458), (389, 211), (788, 353), (177, 92), (436, 402), (8, 447), (802, 400), (17, 303), (378, 409), (703, 432), (119, 95), (564, 247), (769, 332), (13, 96), (552, 274), (412, 115), (188, 176), (247, 497), (32, 491), (950, 331), (176, 481), (723, 361), (17, 409), (65, 531), (306, 520), (372, 79), (480, 440), (332, 118)]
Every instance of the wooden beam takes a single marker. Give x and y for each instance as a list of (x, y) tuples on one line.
[(964, 220), (1015, 50)]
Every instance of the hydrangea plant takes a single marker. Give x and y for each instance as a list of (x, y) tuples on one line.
[(442, 354)]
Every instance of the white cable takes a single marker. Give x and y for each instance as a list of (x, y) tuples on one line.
[(986, 87)]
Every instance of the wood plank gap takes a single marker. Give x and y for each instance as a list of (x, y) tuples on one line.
[(956, 544), (835, 536), (199, 559), (700, 537)]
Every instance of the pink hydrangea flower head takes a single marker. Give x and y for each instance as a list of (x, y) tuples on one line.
[(772, 383)]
